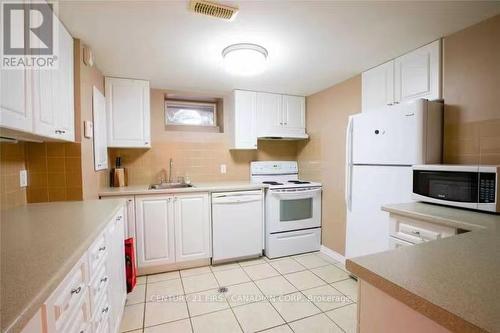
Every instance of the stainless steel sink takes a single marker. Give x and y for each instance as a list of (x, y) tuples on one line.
[(165, 186)]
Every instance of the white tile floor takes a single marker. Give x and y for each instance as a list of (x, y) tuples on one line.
[(304, 293)]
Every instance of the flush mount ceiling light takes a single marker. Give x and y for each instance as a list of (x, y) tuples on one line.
[(245, 59)]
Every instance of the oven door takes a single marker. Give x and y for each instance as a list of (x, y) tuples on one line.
[(293, 209)]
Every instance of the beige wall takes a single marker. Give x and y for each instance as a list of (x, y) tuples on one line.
[(12, 160), (471, 90), (196, 154), (85, 79), (323, 157), (471, 81)]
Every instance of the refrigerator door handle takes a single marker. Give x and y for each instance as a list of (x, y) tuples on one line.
[(348, 163)]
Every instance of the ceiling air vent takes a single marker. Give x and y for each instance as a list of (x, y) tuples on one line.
[(213, 9)]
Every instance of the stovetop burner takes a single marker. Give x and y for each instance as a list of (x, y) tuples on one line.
[(298, 182), (272, 183)]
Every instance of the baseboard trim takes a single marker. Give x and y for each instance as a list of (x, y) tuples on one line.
[(332, 254)]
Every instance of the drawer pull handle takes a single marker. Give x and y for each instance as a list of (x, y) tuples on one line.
[(76, 290), (102, 248), (104, 279), (106, 309)]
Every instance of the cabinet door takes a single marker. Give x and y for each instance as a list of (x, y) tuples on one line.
[(15, 111), (245, 134), (65, 117), (155, 230), (117, 288), (128, 113), (192, 227), (418, 74), (269, 114), (100, 137), (378, 87), (53, 101), (294, 113)]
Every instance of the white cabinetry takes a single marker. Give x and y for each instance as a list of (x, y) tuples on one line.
[(128, 113), (418, 74), (294, 115), (281, 116), (115, 267), (269, 114), (245, 122), (155, 230), (91, 298), (192, 226), (266, 115), (172, 229), (414, 75), (15, 111), (41, 101), (378, 87)]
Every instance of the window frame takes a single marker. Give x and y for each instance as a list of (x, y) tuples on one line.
[(190, 103)]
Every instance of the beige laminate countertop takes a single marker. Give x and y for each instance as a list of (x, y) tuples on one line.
[(197, 187), (40, 243), (454, 281)]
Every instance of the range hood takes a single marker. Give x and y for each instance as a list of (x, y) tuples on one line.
[(284, 137)]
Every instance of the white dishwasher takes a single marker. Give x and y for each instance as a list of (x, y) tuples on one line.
[(238, 225)]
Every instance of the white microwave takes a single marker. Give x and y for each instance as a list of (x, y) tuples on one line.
[(466, 186)]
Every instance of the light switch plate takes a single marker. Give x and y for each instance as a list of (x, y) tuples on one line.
[(223, 168), (88, 129), (23, 178)]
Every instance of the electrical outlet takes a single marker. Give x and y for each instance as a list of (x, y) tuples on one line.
[(223, 168), (23, 178)]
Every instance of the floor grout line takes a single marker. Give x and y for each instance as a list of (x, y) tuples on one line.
[(265, 298), (187, 307)]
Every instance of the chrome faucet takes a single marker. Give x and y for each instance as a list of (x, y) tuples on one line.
[(170, 166)]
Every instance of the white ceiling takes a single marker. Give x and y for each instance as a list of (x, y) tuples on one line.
[(312, 44)]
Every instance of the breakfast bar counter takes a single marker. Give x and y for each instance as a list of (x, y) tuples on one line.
[(453, 281)]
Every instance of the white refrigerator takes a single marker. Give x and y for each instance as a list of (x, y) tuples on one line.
[(381, 148)]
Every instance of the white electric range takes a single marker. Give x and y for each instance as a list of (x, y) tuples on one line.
[(293, 209)]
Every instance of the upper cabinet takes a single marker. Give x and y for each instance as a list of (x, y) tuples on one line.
[(53, 101), (15, 111), (260, 115), (128, 113), (414, 75), (418, 74), (40, 102), (378, 87), (245, 120)]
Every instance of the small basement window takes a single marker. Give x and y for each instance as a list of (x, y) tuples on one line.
[(187, 113)]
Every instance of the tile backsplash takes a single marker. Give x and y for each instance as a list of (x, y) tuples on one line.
[(54, 171), (12, 160), (199, 160)]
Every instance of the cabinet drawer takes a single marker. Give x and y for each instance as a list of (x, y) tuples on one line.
[(101, 315), (80, 320), (97, 253), (98, 286), (415, 231), (67, 296)]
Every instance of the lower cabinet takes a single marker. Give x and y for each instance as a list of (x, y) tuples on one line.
[(172, 228), (91, 298)]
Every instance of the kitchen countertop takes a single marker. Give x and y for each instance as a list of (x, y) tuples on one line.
[(453, 281), (40, 244), (197, 187)]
